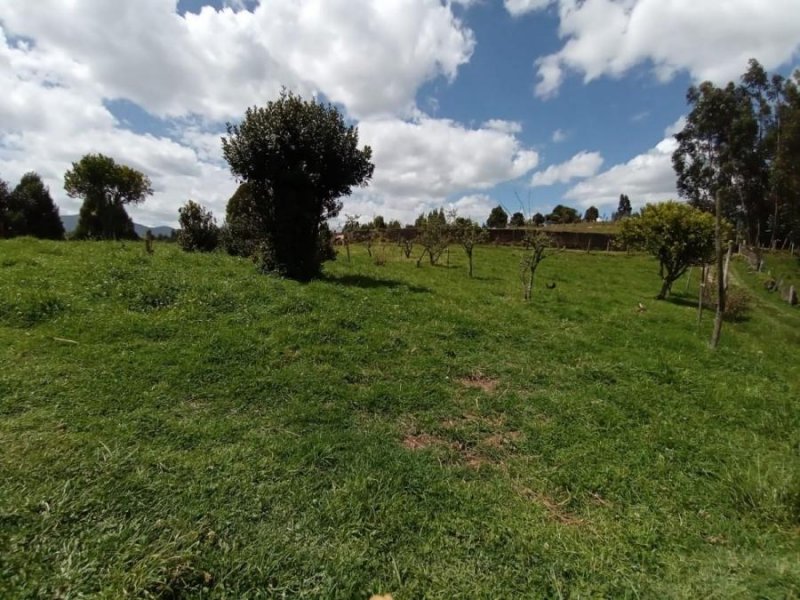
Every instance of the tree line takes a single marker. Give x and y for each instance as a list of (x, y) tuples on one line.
[(741, 145)]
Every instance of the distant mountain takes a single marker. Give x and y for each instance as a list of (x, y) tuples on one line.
[(71, 222)]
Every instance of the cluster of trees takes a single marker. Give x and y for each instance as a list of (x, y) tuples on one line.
[(29, 209), (741, 145), (561, 215)]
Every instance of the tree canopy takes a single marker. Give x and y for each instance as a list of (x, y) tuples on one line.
[(498, 218), (677, 234), (298, 158), (563, 215), (591, 215), (29, 210), (106, 188), (517, 220), (742, 141)]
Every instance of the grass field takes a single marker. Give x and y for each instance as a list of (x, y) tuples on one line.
[(178, 425)]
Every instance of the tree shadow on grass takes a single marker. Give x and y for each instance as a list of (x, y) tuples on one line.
[(682, 301), (366, 282)]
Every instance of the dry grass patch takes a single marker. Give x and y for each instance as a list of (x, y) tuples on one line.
[(555, 508), (478, 380)]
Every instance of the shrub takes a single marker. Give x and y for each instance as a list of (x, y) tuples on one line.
[(738, 302), (199, 231)]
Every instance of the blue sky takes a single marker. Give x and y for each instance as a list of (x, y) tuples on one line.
[(466, 104)]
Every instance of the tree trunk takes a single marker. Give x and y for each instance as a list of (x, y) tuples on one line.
[(701, 294), (666, 286), (469, 255), (715, 335)]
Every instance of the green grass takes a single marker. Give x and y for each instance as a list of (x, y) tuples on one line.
[(178, 425)]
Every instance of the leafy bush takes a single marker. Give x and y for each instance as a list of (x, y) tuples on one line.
[(199, 231), (738, 302)]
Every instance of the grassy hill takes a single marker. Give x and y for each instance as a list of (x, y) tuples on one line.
[(178, 425)]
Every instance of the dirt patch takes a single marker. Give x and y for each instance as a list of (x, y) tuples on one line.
[(479, 381), (502, 440), (422, 441)]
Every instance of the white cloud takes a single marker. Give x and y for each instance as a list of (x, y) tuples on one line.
[(583, 164), (710, 40), (371, 56), (559, 136), (675, 127), (420, 164), (645, 178), (517, 8), (197, 70), (503, 126)]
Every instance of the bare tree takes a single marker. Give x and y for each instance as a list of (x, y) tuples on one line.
[(536, 246), (468, 234), (350, 227)]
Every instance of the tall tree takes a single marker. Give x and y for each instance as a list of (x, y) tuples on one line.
[(723, 151), (538, 219), (299, 158), (624, 208), (591, 215), (106, 189), (38, 214), (498, 218)]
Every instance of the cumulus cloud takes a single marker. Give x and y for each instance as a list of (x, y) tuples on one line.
[(583, 164), (370, 56), (709, 40), (424, 162), (647, 177), (60, 64)]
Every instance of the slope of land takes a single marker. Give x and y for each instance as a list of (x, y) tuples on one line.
[(177, 425)]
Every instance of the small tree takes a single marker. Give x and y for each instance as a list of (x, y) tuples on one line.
[(406, 245), (535, 244), (379, 222), (148, 242), (468, 234), (36, 212), (498, 218), (432, 235), (517, 220), (199, 231), (591, 215), (299, 158), (106, 188), (349, 230), (677, 234), (537, 220), (394, 224)]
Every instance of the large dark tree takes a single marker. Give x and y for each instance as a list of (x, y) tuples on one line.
[(498, 218), (563, 215), (35, 212), (741, 143), (517, 220), (624, 208), (591, 215), (106, 188), (298, 158)]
